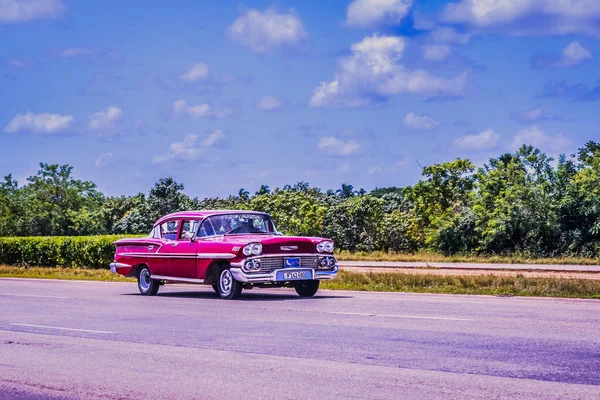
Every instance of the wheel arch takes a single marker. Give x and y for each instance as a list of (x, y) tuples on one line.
[(214, 271), (135, 270)]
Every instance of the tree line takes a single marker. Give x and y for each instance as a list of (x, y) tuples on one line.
[(518, 203)]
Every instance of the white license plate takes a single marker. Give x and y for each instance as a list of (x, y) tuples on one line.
[(295, 275)]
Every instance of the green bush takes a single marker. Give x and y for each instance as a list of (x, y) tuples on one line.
[(93, 252)]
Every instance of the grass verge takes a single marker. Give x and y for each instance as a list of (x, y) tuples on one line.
[(383, 282), (466, 284), (436, 257), (73, 274)]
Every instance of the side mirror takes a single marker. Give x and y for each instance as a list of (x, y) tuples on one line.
[(188, 235)]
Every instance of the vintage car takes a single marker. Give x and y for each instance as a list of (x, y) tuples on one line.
[(230, 250)]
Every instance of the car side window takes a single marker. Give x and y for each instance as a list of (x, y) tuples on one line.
[(188, 226), (206, 229), (168, 230)]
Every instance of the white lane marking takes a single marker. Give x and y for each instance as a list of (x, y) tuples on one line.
[(402, 316), (33, 295), (60, 328)]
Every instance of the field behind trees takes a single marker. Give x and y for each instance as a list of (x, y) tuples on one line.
[(522, 203)]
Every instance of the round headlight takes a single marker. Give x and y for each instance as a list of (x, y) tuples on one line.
[(323, 262), (321, 247), (248, 250), (329, 247), (256, 249), (332, 262), (255, 265)]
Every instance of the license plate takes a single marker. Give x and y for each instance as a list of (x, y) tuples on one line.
[(294, 275), (291, 262)]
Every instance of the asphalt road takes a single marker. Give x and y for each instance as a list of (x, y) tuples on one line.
[(470, 266), (65, 340)]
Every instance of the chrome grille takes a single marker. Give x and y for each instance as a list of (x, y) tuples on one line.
[(268, 264)]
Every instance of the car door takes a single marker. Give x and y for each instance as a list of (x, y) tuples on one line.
[(159, 260), (183, 260)]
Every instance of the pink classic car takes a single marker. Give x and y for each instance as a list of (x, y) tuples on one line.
[(230, 250)]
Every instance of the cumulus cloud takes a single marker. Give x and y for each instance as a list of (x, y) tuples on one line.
[(527, 17), (534, 115), (105, 119), (104, 159), (338, 147), (70, 52), (575, 92), (367, 13), (374, 73), (191, 148), (436, 52), (262, 31), (534, 136), (448, 34), (485, 140), (181, 108), (419, 122), (571, 56), (197, 72), (39, 123), (269, 103), (30, 10)]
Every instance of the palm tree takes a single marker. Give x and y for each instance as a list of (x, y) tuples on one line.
[(346, 191)]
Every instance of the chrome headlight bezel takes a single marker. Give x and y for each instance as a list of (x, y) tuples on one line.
[(252, 249), (326, 246)]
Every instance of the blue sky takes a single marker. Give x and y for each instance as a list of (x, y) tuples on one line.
[(223, 95)]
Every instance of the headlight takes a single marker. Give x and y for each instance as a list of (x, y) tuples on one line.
[(248, 250), (256, 249), (325, 246)]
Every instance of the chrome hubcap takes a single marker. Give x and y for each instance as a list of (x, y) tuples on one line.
[(145, 280), (226, 282)]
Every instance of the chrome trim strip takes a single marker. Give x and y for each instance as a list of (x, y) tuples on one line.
[(115, 265), (173, 278), (286, 255), (225, 256)]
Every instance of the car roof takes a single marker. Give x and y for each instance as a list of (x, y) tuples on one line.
[(199, 214)]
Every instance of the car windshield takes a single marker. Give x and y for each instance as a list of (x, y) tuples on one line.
[(237, 224)]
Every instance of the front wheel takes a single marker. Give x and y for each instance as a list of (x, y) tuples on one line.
[(307, 288), (147, 285), (228, 287)]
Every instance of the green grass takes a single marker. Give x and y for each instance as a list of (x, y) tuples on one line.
[(436, 257), (383, 282), (466, 284), (75, 274)]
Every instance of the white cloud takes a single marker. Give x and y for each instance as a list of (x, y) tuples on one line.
[(30, 10), (105, 119), (181, 108), (372, 12), (104, 159), (70, 52), (485, 140), (535, 137), (419, 122), (447, 34), (572, 55), (527, 17), (534, 115), (266, 30), (436, 52), (39, 123), (195, 73), (213, 138), (190, 149), (338, 147), (269, 103), (374, 73)]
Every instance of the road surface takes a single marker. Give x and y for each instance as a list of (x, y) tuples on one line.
[(66, 340)]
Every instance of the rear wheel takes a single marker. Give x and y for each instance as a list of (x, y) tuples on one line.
[(228, 287), (307, 288), (147, 285)]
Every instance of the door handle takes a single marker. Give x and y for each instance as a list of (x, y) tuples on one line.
[(150, 247), (174, 244)]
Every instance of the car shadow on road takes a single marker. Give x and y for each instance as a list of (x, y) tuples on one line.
[(246, 296)]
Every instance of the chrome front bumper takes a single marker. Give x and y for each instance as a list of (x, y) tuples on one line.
[(241, 276)]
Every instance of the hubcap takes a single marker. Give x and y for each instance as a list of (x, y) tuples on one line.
[(145, 280), (226, 282)]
